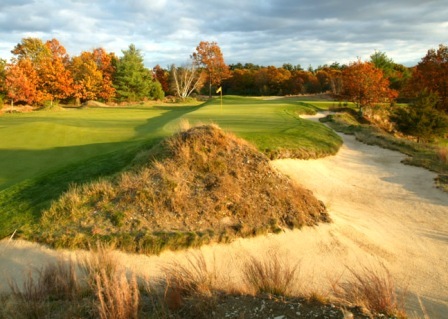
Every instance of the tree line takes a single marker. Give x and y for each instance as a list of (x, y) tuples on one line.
[(42, 72)]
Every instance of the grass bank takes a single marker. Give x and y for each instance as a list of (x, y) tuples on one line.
[(199, 186), (430, 156)]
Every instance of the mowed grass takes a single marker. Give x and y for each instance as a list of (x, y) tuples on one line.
[(42, 153), (273, 125)]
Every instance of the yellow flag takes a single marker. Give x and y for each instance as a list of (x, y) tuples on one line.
[(219, 89)]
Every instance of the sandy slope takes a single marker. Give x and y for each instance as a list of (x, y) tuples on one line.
[(383, 212)]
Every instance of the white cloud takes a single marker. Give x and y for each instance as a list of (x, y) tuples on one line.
[(269, 32)]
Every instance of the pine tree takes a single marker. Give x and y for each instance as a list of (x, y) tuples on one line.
[(132, 81)]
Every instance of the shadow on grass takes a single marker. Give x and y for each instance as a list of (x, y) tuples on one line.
[(21, 204)]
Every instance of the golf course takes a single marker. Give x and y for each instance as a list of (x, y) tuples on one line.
[(380, 219)]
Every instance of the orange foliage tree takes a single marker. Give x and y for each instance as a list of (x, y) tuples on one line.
[(431, 75), (209, 56), (21, 82), (270, 80), (365, 85), (92, 74), (105, 62), (55, 80)]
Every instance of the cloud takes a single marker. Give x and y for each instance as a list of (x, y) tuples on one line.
[(266, 32)]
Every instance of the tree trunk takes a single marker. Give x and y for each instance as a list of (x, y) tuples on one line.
[(210, 87)]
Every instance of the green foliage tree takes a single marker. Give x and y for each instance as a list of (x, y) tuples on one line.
[(156, 92), (33, 49), (383, 62), (2, 81), (397, 74), (421, 119), (133, 82)]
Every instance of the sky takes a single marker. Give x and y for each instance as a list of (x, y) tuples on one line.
[(263, 32)]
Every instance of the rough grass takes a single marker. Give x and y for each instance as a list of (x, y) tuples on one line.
[(199, 186), (191, 289), (270, 274), (374, 289)]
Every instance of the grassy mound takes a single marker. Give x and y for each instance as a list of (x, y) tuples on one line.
[(198, 186)]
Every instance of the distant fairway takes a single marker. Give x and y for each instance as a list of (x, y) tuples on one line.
[(41, 153)]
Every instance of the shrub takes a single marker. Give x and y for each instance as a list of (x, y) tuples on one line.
[(421, 119)]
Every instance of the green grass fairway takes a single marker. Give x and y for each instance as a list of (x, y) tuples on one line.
[(41, 153)]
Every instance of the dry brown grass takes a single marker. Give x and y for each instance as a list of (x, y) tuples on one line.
[(442, 153), (372, 288), (118, 296), (270, 274), (201, 185), (31, 299), (190, 287)]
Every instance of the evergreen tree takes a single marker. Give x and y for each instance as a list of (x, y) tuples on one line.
[(421, 119), (133, 81)]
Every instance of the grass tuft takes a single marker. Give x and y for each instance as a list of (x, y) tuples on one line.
[(118, 297), (270, 274), (372, 288)]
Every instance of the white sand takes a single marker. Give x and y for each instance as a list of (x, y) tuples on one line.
[(383, 213)]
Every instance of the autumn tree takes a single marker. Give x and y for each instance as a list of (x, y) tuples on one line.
[(33, 49), (88, 78), (270, 80), (49, 61), (431, 74), (163, 76), (296, 83), (21, 82), (133, 81), (105, 63), (55, 80), (93, 74), (241, 81), (365, 85), (209, 56)]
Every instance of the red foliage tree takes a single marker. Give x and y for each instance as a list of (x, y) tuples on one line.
[(163, 76), (365, 85), (209, 56), (431, 74)]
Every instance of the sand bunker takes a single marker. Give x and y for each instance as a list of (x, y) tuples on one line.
[(383, 211)]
